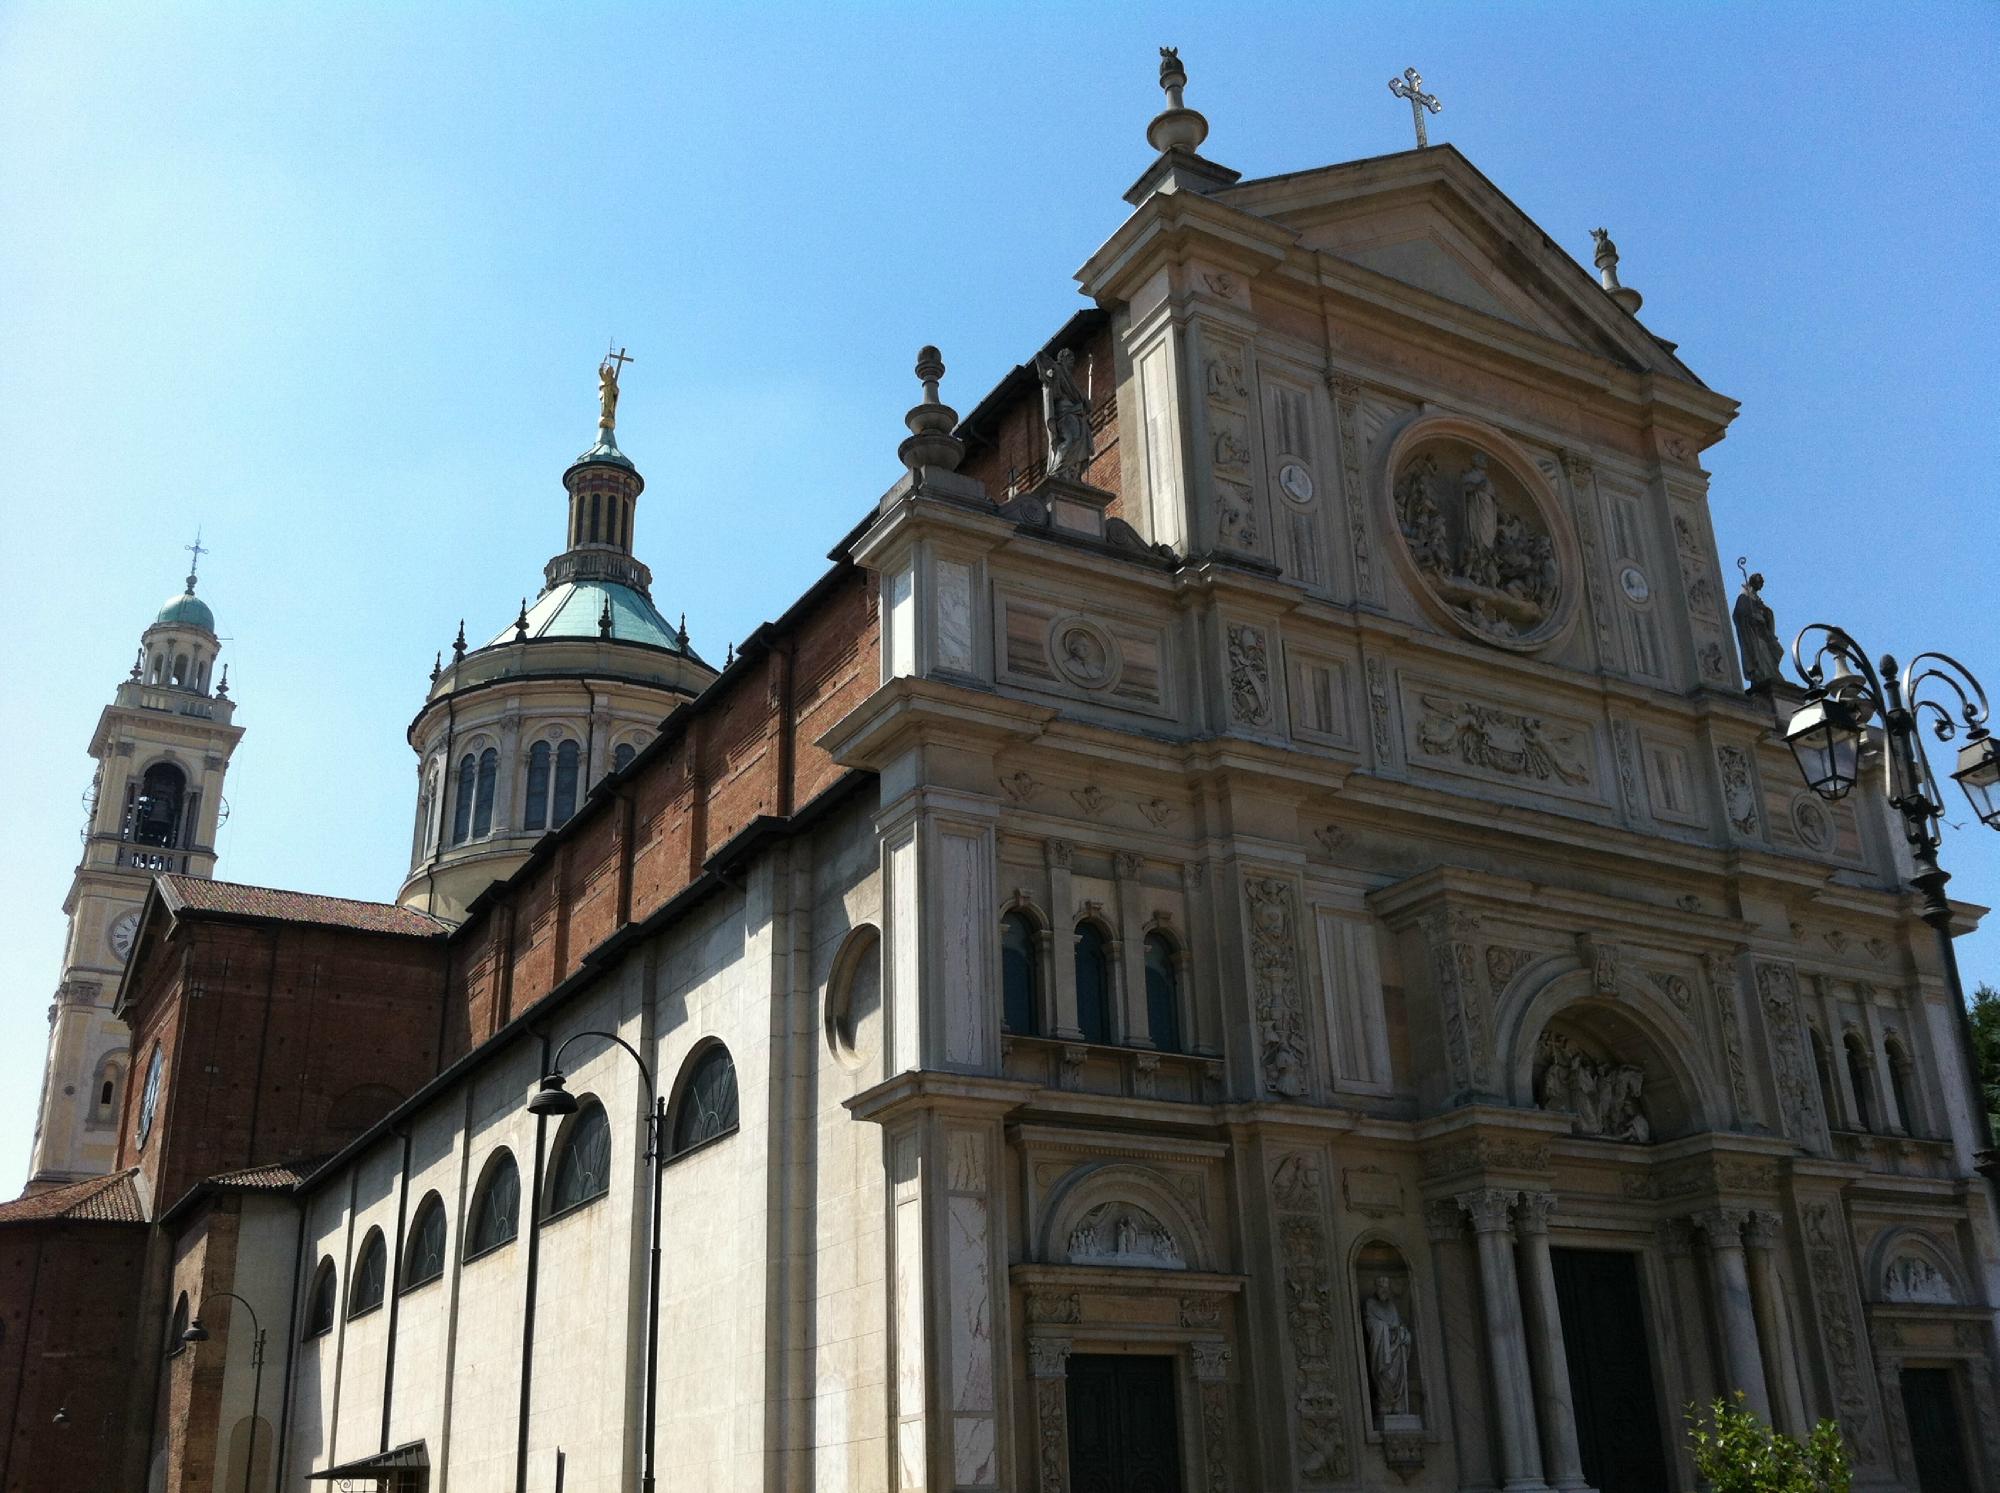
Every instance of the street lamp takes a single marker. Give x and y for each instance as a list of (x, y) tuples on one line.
[(196, 1333), (554, 1098), (1826, 736)]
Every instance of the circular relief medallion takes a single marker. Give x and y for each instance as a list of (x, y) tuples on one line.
[(1813, 823), (1632, 581), (1084, 653), (1296, 481), (1480, 541)]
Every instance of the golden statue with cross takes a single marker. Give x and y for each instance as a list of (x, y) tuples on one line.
[(607, 387)]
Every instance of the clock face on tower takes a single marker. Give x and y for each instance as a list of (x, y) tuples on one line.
[(122, 933)]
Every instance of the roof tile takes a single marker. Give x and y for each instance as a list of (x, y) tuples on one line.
[(112, 1199), (199, 894)]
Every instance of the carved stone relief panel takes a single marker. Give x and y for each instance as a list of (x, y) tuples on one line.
[(1583, 505), (1909, 1277), (1739, 789), (1798, 1088), (1669, 781), (1693, 559), (1319, 697), (1602, 1096), (1829, 1250), (1451, 939), (954, 616), (1480, 539), (1045, 644), (1347, 406), (1272, 906), (1225, 384), (1299, 1192), (1248, 655), (1453, 732)]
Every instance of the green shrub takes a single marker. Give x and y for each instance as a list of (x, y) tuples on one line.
[(1737, 1452)]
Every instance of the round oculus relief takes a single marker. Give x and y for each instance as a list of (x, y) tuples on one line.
[(1480, 541), (1084, 653), (1296, 481), (1632, 581), (1813, 823)]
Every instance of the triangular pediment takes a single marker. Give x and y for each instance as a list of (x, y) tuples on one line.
[(1428, 219)]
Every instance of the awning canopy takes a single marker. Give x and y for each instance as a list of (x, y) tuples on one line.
[(411, 1455)]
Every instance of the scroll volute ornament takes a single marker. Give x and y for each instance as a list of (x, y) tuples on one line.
[(1482, 544)]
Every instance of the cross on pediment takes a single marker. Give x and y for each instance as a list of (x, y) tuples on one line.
[(1411, 86)]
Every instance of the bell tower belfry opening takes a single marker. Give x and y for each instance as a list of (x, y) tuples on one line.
[(154, 804)]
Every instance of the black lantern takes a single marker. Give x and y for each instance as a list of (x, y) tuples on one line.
[(1825, 737), (552, 1098), (1979, 775)]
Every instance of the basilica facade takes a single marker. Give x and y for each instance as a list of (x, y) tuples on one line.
[(1245, 935)]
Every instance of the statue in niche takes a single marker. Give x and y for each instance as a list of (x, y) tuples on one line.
[(1757, 633), (1601, 1097), (1389, 1343), (1066, 413), (1480, 543)]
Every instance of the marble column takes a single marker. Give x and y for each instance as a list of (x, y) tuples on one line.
[(1736, 1318), (1500, 1297), (1545, 1343), (1048, 1372), (1458, 1319), (1760, 1234)]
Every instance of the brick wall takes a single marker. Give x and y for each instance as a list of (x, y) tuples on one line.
[(283, 1042), (75, 1336)]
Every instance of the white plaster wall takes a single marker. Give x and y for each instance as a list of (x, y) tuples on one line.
[(848, 1333), (716, 982), (364, 1340), (309, 1436), (266, 1239), (416, 1403)]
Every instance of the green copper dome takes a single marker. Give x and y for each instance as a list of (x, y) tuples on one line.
[(186, 610)]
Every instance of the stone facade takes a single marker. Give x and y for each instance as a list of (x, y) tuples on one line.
[(1287, 922)]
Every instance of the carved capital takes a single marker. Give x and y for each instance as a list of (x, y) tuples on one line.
[(1676, 1237), (1490, 1209), (1723, 1227), (1059, 853), (1444, 1221), (1048, 1357), (1762, 1228), (1128, 865), (1211, 1361), (1537, 1208)]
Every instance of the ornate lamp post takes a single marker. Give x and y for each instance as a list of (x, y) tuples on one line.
[(196, 1333), (554, 1098), (1845, 695)]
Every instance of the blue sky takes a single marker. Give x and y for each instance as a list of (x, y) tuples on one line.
[(331, 283)]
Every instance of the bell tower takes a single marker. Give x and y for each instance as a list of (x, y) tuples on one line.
[(155, 803)]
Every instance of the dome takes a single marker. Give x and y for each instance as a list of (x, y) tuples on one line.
[(186, 610), (575, 609)]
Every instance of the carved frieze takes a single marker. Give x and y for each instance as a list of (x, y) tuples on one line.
[(1675, 989), (1502, 743), (1503, 963), (1306, 1263)]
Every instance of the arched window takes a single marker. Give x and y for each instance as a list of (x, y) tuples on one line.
[(181, 675), (319, 1301), (1093, 983), (496, 1207), (1163, 993), (1900, 1074), (156, 810), (707, 1107), (482, 803), (177, 1326), (371, 1276), (468, 783), (622, 757), (567, 757), (1823, 1068), (595, 500), (537, 815), (1857, 1075), (1020, 976), (583, 1160), (149, 1097), (423, 1257)]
